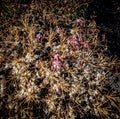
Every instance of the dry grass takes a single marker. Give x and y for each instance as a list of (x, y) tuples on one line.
[(30, 85)]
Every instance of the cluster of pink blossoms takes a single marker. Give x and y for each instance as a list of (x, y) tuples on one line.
[(56, 62), (76, 41)]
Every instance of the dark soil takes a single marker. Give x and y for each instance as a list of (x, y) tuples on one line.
[(107, 14)]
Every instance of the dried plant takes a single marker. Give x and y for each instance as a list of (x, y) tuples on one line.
[(53, 65)]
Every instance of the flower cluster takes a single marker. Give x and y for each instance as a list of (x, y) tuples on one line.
[(76, 40), (56, 62)]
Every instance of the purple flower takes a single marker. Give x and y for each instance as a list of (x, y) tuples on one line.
[(74, 36), (68, 42), (58, 30), (78, 20), (38, 35), (24, 5), (56, 57), (56, 62)]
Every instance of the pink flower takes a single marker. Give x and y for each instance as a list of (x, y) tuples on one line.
[(56, 62), (25, 5), (58, 30), (80, 37), (39, 35), (94, 31), (74, 36), (76, 41), (73, 41), (68, 42), (56, 57), (80, 20), (82, 43)]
